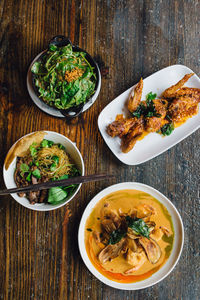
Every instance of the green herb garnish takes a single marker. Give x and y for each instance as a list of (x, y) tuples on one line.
[(23, 168), (89, 229), (33, 149), (138, 225), (36, 173), (148, 109), (167, 129), (151, 96), (46, 144), (116, 236)]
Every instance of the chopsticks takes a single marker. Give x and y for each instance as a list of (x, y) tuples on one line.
[(63, 182)]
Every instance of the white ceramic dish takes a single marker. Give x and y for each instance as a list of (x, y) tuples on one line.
[(153, 144), (178, 237), (74, 154), (48, 109)]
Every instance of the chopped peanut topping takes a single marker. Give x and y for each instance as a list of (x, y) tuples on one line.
[(73, 74)]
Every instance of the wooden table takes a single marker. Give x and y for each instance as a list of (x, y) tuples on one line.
[(39, 256)]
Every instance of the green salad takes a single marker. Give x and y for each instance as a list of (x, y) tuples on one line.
[(64, 78)]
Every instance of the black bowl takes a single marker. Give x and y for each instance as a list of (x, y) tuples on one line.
[(72, 112)]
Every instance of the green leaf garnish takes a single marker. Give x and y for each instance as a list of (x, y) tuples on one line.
[(138, 225), (56, 159), (167, 129), (116, 236), (36, 173), (28, 178), (33, 150), (56, 194), (151, 96), (46, 144)]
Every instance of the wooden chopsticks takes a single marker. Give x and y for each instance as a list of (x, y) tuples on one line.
[(63, 182)]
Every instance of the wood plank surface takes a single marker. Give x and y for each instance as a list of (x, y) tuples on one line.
[(39, 256)]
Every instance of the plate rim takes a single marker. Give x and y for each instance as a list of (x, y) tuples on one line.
[(81, 234), (160, 152)]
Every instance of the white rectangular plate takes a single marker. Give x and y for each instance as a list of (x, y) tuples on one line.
[(153, 144)]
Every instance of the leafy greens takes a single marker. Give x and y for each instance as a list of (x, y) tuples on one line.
[(64, 78)]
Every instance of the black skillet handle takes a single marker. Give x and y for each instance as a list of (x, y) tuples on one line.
[(72, 112), (60, 41)]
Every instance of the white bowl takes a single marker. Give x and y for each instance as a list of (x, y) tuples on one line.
[(153, 144), (71, 149), (178, 237)]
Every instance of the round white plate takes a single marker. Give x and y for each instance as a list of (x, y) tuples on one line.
[(178, 237), (71, 149), (48, 109)]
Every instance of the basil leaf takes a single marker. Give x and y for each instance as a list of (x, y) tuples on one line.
[(36, 173), (138, 225), (116, 236)]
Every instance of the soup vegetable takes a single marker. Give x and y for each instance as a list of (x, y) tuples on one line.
[(43, 162), (129, 236), (64, 78)]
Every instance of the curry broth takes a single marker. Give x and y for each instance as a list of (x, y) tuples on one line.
[(125, 200)]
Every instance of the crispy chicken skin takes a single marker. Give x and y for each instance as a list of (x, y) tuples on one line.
[(129, 140), (154, 124), (176, 105), (169, 93), (183, 107), (120, 126), (185, 91), (135, 96)]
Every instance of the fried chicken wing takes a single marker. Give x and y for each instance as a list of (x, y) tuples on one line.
[(120, 126), (153, 124), (129, 140), (185, 91), (135, 96), (168, 93), (183, 107)]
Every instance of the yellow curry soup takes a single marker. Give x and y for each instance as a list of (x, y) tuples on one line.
[(134, 255)]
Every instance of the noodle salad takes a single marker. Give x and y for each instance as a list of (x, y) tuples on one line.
[(45, 161)]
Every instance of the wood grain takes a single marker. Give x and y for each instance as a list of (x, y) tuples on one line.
[(39, 257)]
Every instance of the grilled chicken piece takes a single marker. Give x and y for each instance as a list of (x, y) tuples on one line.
[(153, 124), (182, 108), (129, 140), (120, 126), (111, 220), (111, 251), (135, 259), (156, 234), (108, 225), (144, 211), (152, 249), (169, 93), (135, 96)]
